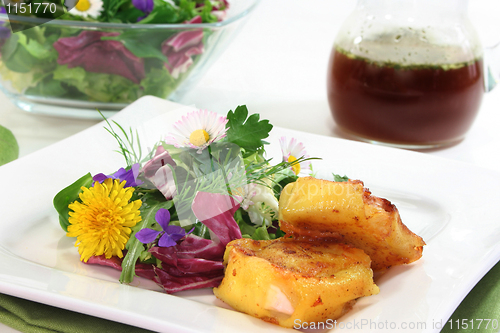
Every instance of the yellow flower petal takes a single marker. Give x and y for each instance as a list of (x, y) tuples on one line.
[(296, 166), (101, 222)]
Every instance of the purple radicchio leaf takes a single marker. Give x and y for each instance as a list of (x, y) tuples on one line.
[(180, 48), (216, 211), (164, 181), (87, 50), (142, 270), (194, 262), (197, 262), (197, 247), (169, 256), (161, 158), (219, 9), (172, 284), (157, 170)]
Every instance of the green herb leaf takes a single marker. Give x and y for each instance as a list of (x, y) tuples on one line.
[(163, 12), (67, 196), (129, 14), (248, 133), (339, 178)]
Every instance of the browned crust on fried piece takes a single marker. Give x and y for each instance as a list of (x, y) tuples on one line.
[(348, 212), (284, 280)]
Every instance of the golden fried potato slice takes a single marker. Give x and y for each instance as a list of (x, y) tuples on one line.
[(287, 281), (347, 211)]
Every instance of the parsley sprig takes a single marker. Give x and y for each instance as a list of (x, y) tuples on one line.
[(248, 132)]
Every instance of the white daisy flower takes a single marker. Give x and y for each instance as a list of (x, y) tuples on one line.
[(87, 8), (264, 207), (198, 129), (292, 151), (259, 202)]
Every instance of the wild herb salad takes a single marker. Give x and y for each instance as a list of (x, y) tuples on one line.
[(168, 216), (115, 65)]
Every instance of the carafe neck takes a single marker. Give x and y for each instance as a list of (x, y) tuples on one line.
[(424, 7)]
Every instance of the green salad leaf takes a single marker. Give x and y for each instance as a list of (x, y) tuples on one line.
[(16, 57), (159, 82), (41, 50), (103, 87), (47, 87), (68, 195), (30, 61)]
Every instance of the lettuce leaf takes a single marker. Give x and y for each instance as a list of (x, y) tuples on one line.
[(99, 86), (43, 51), (47, 87), (68, 195), (158, 82)]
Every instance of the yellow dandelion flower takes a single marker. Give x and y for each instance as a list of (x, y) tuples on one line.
[(102, 221)]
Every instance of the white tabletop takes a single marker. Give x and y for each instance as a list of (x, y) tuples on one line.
[(277, 67)]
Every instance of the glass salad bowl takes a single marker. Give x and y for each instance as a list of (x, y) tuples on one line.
[(67, 68)]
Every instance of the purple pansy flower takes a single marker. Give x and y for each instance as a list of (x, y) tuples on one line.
[(145, 6), (170, 234), (129, 176)]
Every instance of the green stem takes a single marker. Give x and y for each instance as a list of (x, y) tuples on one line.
[(134, 246)]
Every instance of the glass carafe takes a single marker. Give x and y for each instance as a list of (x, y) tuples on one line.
[(407, 73)]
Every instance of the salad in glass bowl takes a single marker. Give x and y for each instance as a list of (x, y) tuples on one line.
[(106, 54)]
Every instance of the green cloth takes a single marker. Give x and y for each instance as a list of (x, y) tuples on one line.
[(483, 302), (31, 317)]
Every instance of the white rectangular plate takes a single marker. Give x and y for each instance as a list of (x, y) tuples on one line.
[(451, 205)]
